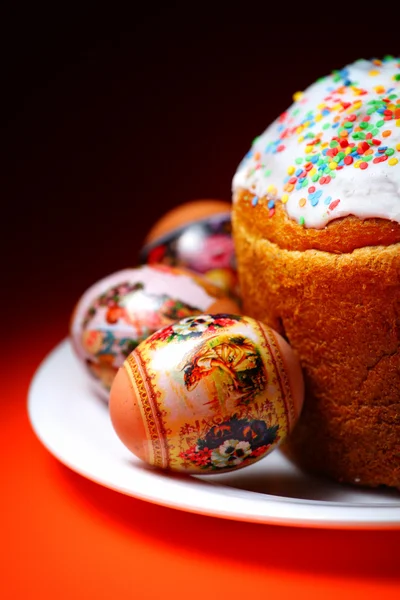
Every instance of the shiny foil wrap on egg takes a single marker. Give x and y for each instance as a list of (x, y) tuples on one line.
[(116, 313), (207, 394), (202, 244)]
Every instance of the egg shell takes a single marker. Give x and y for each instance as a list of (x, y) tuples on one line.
[(196, 235), (116, 313), (187, 212), (208, 394)]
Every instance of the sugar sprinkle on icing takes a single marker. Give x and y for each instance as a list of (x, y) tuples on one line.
[(335, 151)]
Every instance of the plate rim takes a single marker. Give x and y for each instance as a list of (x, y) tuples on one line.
[(384, 512)]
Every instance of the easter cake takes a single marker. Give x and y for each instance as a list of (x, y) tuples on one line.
[(316, 226)]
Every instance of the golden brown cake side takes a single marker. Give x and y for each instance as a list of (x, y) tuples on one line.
[(340, 311), (341, 235)]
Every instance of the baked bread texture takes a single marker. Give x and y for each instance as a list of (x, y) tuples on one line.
[(316, 225)]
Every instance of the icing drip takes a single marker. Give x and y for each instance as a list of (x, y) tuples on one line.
[(335, 151)]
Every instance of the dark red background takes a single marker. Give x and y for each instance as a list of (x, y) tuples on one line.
[(111, 120)]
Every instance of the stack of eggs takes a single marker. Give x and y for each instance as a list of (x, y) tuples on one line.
[(191, 384)]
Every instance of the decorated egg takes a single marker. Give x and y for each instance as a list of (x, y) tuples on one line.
[(116, 313), (196, 235), (207, 394)]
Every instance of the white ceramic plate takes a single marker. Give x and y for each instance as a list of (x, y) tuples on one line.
[(73, 424)]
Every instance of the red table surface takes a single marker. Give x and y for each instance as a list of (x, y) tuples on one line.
[(64, 536)]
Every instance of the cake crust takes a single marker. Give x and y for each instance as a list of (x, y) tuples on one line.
[(338, 236), (334, 293)]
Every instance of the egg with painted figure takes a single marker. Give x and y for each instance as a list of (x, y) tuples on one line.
[(196, 235), (207, 394), (116, 313)]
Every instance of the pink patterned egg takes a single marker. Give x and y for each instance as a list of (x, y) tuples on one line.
[(116, 313), (196, 235), (209, 393)]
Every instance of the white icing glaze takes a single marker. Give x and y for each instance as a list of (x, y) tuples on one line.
[(372, 190)]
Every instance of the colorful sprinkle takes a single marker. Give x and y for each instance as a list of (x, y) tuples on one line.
[(353, 125), (333, 204)]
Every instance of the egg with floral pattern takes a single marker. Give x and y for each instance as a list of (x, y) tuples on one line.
[(207, 394), (196, 235), (116, 313)]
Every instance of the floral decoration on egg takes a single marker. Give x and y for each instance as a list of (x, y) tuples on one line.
[(118, 312), (198, 241), (210, 393)]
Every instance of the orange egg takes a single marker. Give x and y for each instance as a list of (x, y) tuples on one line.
[(207, 394), (196, 235), (192, 211)]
